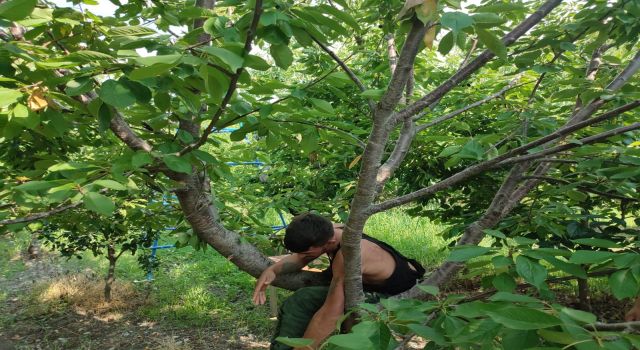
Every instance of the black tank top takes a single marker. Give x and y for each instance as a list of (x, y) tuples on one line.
[(402, 278)]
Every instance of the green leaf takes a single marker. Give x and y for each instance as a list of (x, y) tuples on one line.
[(495, 233), (623, 284), (472, 150), (131, 31), (282, 55), (116, 94), (456, 21), (233, 61), (160, 59), (590, 257), (256, 62), (36, 185), (579, 315), (140, 159), (309, 141), (353, 341), (9, 96), (487, 19), (492, 42), (341, 15), (323, 105), (179, 164), (597, 242), (557, 337), (162, 65), (104, 117), (433, 290), (114, 185), (78, 87), (16, 10), (573, 269), (504, 282), (428, 333), (466, 252), (513, 298), (523, 318), (531, 271), (99, 203), (446, 43), (25, 118), (295, 342), (576, 195), (373, 93)]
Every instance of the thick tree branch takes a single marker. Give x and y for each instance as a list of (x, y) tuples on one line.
[(346, 69), (232, 83), (474, 65)]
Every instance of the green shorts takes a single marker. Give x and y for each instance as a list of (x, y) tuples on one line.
[(297, 311)]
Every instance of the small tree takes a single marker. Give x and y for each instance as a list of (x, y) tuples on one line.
[(128, 229)]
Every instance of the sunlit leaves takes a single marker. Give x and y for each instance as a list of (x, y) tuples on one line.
[(17, 9), (230, 59), (9, 96), (456, 21), (492, 42), (282, 55), (98, 203)]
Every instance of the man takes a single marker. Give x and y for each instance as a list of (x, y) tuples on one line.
[(313, 312)]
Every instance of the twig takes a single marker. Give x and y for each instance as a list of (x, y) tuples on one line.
[(600, 326), (232, 84), (321, 126), (41, 215), (455, 113), (585, 141), (312, 83), (345, 68), (583, 188)]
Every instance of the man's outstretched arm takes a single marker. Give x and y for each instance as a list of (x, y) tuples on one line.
[(290, 263), (324, 321)]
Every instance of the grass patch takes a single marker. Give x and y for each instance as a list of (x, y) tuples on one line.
[(415, 237)]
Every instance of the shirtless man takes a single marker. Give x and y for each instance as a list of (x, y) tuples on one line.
[(313, 312)]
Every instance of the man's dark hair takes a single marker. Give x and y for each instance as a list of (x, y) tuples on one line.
[(306, 231)]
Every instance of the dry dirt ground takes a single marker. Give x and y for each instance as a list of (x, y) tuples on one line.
[(46, 308)]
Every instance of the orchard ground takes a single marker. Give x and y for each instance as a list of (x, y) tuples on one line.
[(197, 300)]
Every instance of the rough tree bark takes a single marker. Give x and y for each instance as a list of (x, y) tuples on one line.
[(111, 272)]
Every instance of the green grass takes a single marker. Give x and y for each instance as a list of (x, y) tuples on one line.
[(11, 247), (415, 237)]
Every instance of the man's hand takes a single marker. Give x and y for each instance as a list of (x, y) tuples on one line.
[(634, 313), (259, 296)]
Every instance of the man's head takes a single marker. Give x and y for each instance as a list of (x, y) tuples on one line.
[(308, 231)]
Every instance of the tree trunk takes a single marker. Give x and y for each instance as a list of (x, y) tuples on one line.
[(111, 256), (583, 294)]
